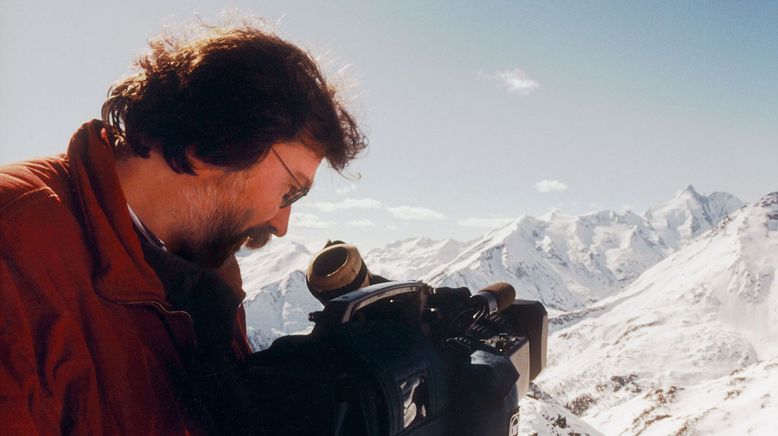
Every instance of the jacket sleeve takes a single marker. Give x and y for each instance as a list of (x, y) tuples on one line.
[(24, 409)]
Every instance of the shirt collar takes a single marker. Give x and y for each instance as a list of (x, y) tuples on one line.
[(144, 231)]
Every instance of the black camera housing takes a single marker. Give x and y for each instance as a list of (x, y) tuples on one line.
[(384, 360)]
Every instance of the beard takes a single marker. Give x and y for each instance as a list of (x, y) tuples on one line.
[(216, 230), (212, 248)]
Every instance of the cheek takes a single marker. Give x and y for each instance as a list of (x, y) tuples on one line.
[(260, 195), (261, 204)]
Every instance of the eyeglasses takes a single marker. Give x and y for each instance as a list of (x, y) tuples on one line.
[(295, 193)]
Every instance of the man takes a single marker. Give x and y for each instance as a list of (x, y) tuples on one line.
[(120, 292)]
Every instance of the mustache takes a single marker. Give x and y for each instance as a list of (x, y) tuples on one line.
[(259, 236)]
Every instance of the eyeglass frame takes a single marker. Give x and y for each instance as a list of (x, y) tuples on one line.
[(300, 190)]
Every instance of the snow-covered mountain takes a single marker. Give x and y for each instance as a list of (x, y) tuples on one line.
[(277, 300), (689, 214), (410, 259), (273, 263), (689, 347), (542, 414), (568, 261), (562, 260)]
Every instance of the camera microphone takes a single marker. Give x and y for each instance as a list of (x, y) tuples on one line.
[(493, 298), (485, 302)]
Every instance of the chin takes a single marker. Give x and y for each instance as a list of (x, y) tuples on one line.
[(213, 253), (208, 257)]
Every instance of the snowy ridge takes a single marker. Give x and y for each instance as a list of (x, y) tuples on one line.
[(279, 259), (542, 414), (278, 301), (568, 261), (410, 259), (679, 349), (689, 214)]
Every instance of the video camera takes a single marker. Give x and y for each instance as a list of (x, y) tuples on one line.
[(392, 358)]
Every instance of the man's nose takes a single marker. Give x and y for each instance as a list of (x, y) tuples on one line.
[(280, 222)]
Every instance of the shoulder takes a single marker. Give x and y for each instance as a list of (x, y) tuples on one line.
[(38, 224), (27, 183)]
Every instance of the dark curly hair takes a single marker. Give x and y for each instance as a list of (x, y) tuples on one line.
[(231, 92)]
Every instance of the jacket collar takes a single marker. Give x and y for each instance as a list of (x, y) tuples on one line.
[(121, 272)]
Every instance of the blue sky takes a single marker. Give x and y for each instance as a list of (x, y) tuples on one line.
[(470, 106)]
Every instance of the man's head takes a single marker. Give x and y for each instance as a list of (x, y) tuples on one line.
[(222, 209), (249, 115)]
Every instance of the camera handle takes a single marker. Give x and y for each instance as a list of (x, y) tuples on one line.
[(403, 299)]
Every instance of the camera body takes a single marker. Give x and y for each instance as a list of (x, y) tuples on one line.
[(401, 358)]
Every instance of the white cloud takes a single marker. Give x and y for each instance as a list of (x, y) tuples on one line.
[(361, 223), (346, 189), (415, 213), (392, 227), (515, 81), (550, 186), (347, 203), (307, 221), (485, 223)]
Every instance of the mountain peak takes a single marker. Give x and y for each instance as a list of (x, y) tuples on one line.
[(551, 214), (689, 214), (769, 200), (688, 191)]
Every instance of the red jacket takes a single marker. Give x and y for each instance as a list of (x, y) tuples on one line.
[(88, 342)]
